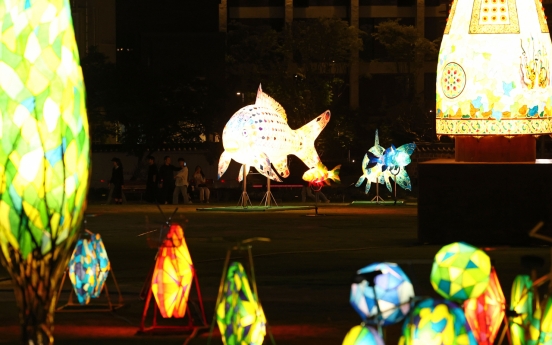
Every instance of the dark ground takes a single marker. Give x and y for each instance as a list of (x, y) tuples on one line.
[(303, 274)]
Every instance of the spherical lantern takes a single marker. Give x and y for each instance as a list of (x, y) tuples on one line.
[(486, 312), (363, 335), (104, 266), (173, 274), (525, 325), (545, 337), (493, 79), (393, 293), (460, 271), (44, 154), (240, 317), (437, 322)]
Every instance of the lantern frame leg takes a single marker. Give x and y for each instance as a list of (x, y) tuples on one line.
[(268, 198), (377, 198)]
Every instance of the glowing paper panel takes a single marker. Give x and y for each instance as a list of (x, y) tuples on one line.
[(103, 263), (493, 72), (460, 272), (258, 135), (173, 274), (362, 335), (320, 175), (83, 269), (394, 292), (240, 317), (526, 325), (486, 313), (545, 337), (374, 173), (437, 322)]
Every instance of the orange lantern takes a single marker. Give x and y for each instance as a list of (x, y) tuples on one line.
[(486, 312), (173, 274)]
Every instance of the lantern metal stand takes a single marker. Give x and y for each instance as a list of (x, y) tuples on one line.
[(239, 247), (244, 199), (71, 306), (268, 197), (377, 198), (395, 179), (195, 324)]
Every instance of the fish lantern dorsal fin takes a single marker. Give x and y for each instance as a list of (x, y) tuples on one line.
[(266, 101)]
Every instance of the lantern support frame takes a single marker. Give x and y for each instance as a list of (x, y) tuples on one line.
[(268, 197), (377, 199), (244, 198), (239, 247)]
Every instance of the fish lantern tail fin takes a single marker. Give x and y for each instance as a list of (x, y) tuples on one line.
[(334, 174), (306, 136)]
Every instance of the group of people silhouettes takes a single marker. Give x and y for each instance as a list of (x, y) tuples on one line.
[(163, 185)]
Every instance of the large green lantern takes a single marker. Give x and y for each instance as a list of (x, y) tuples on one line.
[(44, 154), (460, 271)]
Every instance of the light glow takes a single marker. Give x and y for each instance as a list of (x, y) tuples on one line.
[(363, 335), (493, 72), (525, 327)]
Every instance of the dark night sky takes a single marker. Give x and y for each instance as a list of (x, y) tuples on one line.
[(135, 17)]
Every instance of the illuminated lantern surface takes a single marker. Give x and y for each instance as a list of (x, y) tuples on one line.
[(486, 312), (83, 269), (103, 263), (173, 274), (320, 175), (460, 271), (383, 165), (394, 292), (525, 326), (437, 322), (44, 128), (240, 317), (362, 335), (545, 337), (44, 152), (493, 72), (258, 135)]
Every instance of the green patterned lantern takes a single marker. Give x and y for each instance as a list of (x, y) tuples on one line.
[(240, 317), (44, 154), (460, 271), (525, 314)]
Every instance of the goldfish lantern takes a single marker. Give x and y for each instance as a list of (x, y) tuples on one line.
[(258, 135), (525, 324), (437, 322), (493, 79), (362, 335), (320, 175), (460, 272), (44, 153), (383, 165), (83, 269), (240, 317), (393, 293), (173, 274), (486, 312)]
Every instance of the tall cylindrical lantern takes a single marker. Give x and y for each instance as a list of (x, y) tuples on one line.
[(493, 79), (44, 154)]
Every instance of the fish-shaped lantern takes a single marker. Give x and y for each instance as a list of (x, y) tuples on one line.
[(383, 165), (258, 135), (320, 175), (493, 72)]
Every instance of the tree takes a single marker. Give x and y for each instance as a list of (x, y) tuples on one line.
[(409, 118)]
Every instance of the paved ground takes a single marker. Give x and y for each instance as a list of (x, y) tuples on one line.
[(303, 274)]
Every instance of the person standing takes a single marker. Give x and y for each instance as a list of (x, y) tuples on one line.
[(151, 182), (307, 191), (181, 183), (117, 181), (199, 178), (166, 180)]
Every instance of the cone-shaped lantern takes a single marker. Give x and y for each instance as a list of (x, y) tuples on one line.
[(493, 79)]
